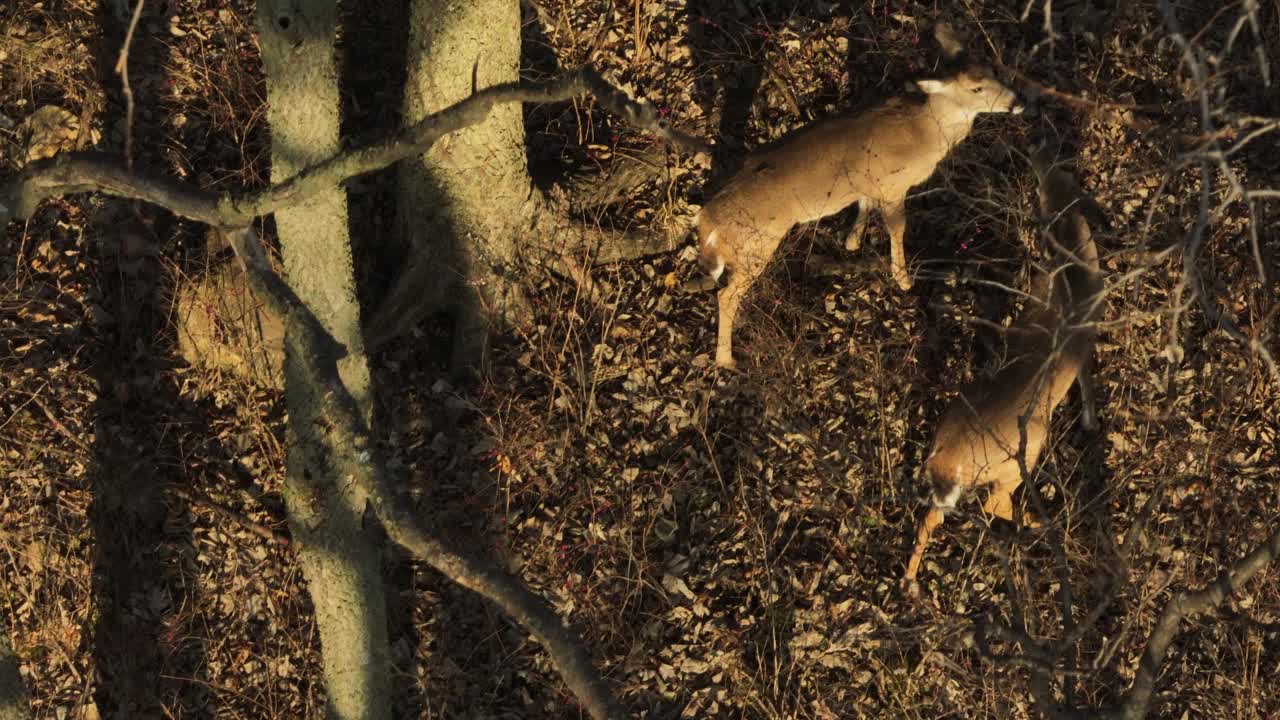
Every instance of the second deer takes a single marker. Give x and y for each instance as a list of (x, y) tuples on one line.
[(993, 433), (871, 159)]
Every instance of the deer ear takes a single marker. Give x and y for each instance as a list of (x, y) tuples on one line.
[(930, 86)]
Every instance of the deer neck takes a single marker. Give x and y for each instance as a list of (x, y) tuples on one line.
[(953, 120)]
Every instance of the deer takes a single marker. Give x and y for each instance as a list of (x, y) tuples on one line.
[(870, 159), (992, 434)]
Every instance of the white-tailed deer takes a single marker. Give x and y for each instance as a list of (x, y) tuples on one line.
[(871, 159), (979, 441)]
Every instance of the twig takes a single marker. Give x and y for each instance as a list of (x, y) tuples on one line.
[(356, 458), (122, 69), (1122, 113), (1250, 15), (198, 498), (59, 426)]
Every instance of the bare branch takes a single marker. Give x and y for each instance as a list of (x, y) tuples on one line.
[(1187, 605), (122, 69), (91, 172), (1256, 343), (1033, 656), (350, 447)]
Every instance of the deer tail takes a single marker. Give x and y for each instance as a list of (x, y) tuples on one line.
[(709, 257)]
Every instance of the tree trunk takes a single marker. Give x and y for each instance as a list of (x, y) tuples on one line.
[(338, 558), (15, 704), (475, 225), (464, 201)]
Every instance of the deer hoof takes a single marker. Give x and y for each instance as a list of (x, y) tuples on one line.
[(910, 588)]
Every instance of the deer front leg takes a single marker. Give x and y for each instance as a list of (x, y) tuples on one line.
[(854, 240), (932, 520), (895, 220), (730, 299)]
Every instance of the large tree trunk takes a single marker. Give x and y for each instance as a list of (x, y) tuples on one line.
[(464, 203), (476, 227), (339, 560)]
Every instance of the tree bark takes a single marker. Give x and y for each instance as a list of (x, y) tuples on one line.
[(15, 704), (463, 203), (338, 558), (329, 427)]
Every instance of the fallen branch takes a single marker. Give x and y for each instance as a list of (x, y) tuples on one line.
[(355, 458)]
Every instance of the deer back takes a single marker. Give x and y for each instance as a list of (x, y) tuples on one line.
[(979, 439), (878, 154)]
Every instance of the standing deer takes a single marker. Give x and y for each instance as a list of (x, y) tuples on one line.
[(871, 159), (979, 441)]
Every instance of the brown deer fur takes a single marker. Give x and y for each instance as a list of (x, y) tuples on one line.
[(1050, 346), (871, 159)]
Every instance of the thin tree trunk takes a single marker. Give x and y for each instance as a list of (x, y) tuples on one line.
[(339, 560)]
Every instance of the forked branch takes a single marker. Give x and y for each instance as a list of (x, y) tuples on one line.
[(351, 451), (1186, 604), (355, 458)]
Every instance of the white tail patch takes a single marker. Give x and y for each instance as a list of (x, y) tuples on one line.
[(713, 238)]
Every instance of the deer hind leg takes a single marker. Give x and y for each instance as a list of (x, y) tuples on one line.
[(1000, 504), (932, 520), (895, 220), (854, 240), (1088, 399), (730, 299)]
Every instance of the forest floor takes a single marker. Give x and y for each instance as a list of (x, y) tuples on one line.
[(729, 544)]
